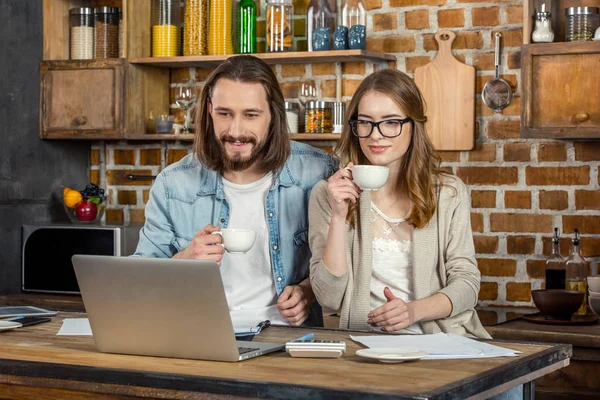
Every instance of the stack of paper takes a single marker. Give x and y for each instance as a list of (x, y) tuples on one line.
[(440, 346)]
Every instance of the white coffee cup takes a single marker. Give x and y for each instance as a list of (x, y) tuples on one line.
[(237, 241), (370, 177)]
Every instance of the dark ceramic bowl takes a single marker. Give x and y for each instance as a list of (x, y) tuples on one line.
[(557, 303)]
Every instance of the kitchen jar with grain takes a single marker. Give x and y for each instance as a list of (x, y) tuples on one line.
[(280, 25), (166, 31), (106, 32), (318, 117), (81, 25), (220, 28), (195, 40)]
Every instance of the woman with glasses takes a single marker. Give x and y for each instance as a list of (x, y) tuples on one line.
[(400, 259)]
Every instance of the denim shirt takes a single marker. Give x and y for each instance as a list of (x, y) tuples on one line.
[(187, 196)]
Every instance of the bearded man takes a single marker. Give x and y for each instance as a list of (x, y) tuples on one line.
[(244, 173)]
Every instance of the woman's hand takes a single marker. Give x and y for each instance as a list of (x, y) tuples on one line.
[(342, 191), (393, 315)]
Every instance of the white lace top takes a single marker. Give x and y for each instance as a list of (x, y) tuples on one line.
[(392, 261)]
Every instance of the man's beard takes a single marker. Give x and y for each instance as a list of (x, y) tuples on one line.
[(239, 162)]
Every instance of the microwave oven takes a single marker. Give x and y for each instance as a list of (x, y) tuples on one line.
[(47, 250)]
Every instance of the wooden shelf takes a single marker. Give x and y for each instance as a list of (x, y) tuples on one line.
[(300, 57), (315, 136), (558, 48), (190, 136)]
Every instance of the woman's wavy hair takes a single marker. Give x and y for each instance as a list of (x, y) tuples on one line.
[(247, 69), (420, 164)]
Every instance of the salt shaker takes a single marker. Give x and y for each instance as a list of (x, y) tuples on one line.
[(543, 30)]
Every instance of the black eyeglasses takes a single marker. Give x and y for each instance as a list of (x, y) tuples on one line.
[(389, 128)]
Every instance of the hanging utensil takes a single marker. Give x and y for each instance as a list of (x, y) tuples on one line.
[(497, 93)]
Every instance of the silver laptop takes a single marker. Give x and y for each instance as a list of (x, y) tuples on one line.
[(161, 307)]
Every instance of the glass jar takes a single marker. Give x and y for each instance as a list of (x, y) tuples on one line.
[(106, 32), (321, 23), (339, 112), (576, 275), (81, 25), (246, 27), (195, 40), (220, 28), (291, 113), (318, 117), (354, 17), (280, 25), (581, 23), (166, 30), (543, 29)]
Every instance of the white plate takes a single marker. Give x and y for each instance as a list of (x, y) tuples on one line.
[(392, 355), (4, 325)]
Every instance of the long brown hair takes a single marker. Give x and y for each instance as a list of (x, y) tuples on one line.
[(247, 69), (420, 164)]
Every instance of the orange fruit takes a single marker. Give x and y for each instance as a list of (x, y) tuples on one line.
[(72, 197)]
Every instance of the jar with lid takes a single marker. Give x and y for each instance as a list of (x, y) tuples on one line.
[(166, 28), (220, 27), (81, 25), (543, 29), (291, 114), (195, 31), (280, 25), (581, 23), (354, 17), (318, 117), (106, 32), (320, 25)]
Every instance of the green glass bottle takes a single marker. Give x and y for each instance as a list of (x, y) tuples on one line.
[(246, 27)]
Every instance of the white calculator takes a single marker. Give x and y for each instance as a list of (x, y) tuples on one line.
[(316, 348)]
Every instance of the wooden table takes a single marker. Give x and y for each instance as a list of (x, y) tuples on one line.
[(34, 363), (581, 379)]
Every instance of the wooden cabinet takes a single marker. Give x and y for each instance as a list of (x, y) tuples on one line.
[(561, 88)]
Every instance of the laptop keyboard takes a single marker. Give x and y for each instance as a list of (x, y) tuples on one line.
[(244, 350)]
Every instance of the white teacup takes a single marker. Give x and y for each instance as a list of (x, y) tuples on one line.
[(237, 241), (370, 177)]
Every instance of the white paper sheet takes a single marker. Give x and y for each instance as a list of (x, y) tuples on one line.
[(75, 327), (439, 345)]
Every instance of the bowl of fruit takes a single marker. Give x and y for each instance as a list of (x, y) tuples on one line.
[(84, 206)]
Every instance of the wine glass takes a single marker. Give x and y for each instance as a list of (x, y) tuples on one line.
[(184, 99), (307, 92)]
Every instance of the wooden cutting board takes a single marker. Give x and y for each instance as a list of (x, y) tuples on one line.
[(448, 87)]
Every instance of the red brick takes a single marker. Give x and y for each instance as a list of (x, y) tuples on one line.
[(483, 62), (369, 4), (552, 152), (487, 317), (488, 175), (590, 247), (299, 27), (451, 18), (520, 244), (293, 70), (485, 244), (94, 157), (487, 16), (514, 60), (145, 196), (392, 44), (410, 3), (328, 88), (124, 157), (174, 155), (201, 74), (385, 21), (554, 200), (517, 152), (564, 245), (95, 176), (354, 68), (150, 156), (518, 291), (449, 156), (476, 222), (483, 198), (503, 129), (488, 291), (510, 38), (497, 266), (587, 224), (413, 63), (520, 222), (119, 177), (127, 197), (179, 75), (514, 14), (587, 151), (349, 86), (114, 215), (517, 199), (136, 215), (483, 152), (418, 19), (557, 175), (323, 69), (536, 269), (464, 40), (587, 199)]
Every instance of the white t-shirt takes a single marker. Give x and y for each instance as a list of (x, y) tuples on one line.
[(248, 278)]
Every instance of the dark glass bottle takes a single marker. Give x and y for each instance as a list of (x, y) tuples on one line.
[(246, 27), (556, 273), (576, 267)]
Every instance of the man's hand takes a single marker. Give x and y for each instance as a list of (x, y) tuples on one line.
[(204, 246), (393, 315), (294, 303)]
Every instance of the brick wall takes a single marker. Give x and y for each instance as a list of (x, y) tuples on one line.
[(520, 189)]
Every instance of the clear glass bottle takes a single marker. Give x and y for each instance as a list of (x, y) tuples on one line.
[(280, 25), (81, 25), (320, 24), (195, 31), (354, 17), (106, 32), (576, 267), (246, 27), (220, 28), (291, 114), (543, 28), (166, 28), (556, 273), (581, 23)]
